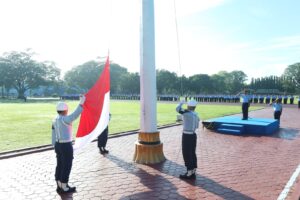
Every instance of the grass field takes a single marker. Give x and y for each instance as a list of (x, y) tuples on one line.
[(29, 124)]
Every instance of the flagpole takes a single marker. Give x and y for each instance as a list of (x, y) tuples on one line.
[(148, 149)]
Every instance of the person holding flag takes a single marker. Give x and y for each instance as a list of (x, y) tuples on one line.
[(62, 141)]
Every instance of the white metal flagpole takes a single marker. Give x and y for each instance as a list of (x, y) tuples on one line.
[(147, 69), (149, 149)]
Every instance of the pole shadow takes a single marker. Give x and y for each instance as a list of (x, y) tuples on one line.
[(154, 182)]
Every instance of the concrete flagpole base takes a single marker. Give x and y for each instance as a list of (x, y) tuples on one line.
[(148, 149)]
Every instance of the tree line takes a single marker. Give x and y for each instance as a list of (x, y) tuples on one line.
[(19, 71)]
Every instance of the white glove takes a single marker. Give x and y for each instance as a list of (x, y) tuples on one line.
[(81, 100)]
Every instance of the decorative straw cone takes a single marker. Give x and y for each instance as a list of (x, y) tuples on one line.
[(148, 149)]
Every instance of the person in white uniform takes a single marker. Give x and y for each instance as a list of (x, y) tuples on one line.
[(189, 138), (62, 141), (245, 103)]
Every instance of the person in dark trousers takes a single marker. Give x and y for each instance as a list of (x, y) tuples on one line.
[(245, 103), (62, 141), (299, 101), (189, 138), (291, 99), (277, 107), (102, 140)]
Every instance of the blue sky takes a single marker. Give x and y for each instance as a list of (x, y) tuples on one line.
[(259, 37)]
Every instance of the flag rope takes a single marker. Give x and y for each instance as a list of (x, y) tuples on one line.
[(178, 48)]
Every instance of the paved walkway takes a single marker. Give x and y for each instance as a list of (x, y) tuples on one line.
[(230, 167)]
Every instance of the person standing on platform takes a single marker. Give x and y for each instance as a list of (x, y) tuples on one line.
[(299, 101), (189, 137), (277, 106), (62, 141), (102, 140), (245, 103)]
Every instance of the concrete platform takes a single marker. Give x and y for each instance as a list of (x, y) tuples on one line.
[(235, 125)]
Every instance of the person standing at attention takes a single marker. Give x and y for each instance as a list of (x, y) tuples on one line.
[(189, 138), (245, 103), (277, 106), (62, 141), (102, 139)]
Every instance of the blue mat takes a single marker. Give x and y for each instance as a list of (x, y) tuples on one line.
[(235, 125)]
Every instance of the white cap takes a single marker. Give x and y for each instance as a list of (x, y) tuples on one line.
[(192, 103), (61, 106)]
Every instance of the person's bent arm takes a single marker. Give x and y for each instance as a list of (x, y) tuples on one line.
[(70, 118), (179, 107)]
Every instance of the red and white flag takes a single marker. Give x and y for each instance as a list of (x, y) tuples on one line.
[(95, 115)]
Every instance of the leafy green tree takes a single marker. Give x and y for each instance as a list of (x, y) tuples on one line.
[(201, 84), (130, 83), (82, 77), (236, 81), (292, 74), (218, 83), (166, 82), (117, 74), (23, 73), (4, 81)]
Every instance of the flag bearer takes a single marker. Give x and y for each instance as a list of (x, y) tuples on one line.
[(189, 137), (62, 141)]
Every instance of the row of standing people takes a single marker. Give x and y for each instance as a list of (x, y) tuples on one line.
[(137, 97), (261, 99), (285, 99)]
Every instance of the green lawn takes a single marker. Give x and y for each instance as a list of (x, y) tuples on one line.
[(29, 124)]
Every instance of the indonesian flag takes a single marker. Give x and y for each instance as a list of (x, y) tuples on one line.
[(95, 115)]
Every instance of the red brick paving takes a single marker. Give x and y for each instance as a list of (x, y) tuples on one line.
[(230, 167)]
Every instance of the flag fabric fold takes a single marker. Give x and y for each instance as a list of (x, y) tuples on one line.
[(95, 115)]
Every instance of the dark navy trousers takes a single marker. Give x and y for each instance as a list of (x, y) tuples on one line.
[(277, 115), (102, 138), (245, 108), (189, 142), (64, 156)]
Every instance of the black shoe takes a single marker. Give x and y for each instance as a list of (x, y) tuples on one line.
[(69, 190), (105, 151), (244, 118), (102, 152), (58, 190), (185, 176)]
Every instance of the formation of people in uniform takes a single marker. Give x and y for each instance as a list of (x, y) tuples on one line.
[(219, 98)]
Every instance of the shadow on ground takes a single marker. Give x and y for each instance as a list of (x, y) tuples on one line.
[(156, 182)]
